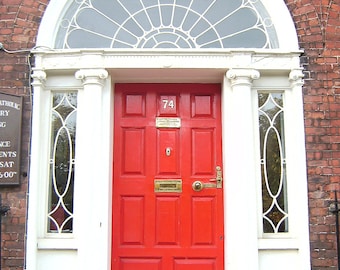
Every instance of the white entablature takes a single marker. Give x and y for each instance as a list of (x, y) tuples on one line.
[(167, 62)]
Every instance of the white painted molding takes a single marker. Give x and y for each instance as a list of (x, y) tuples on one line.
[(167, 60), (242, 76), (92, 76), (296, 77), (39, 77)]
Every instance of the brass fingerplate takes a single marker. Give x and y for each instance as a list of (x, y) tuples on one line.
[(168, 185), (168, 122)]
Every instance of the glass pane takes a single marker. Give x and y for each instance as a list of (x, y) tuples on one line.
[(166, 24), (62, 160), (273, 163)]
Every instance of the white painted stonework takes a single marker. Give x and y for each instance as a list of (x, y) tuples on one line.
[(241, 73)]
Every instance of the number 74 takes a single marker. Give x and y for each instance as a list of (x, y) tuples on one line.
[(168, 103)]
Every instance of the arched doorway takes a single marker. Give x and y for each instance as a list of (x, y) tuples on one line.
[(165, 42)]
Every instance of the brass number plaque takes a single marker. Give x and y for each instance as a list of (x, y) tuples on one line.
[(168, 185)]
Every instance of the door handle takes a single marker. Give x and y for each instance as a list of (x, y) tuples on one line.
[(199, 185), (218, 178)]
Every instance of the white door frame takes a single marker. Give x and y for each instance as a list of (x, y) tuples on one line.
[(93, 74)]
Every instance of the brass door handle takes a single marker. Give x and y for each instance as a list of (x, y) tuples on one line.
[(198, 185)]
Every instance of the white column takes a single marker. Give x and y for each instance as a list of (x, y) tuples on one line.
[(37, 175), (92, 186), (296, 167), (240, 174)]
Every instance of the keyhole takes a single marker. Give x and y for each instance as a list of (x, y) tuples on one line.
[(168, 151)]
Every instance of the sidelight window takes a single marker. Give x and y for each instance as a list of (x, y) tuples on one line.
[(273, 163), (62, 162)]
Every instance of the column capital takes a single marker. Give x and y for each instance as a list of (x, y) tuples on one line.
[(39, 77), (240, 76), (296, 77), (92, 76)]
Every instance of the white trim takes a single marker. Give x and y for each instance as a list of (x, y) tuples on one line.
[(284, 25), (238, 152), (96, 94), (167, 63), (50, 22), (55, 69), (57, 244), (36, 173), (278, 244), (92, 223)]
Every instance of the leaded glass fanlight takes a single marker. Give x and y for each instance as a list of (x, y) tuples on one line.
[(166, 24)]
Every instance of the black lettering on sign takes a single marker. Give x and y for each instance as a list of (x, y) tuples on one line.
[(10, 139)]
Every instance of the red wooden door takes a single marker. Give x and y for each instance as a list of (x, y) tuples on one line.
[(166, 137)]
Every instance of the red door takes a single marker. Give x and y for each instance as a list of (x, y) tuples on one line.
[(167, 206)]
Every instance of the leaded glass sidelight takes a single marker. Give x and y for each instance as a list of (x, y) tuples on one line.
[(62, 162), (273, 163), (185, 24)]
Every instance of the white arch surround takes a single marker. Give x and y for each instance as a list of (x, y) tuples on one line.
[(241, 72), (277, 10)]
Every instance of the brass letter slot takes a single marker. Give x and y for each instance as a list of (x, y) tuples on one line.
[(168, 185)]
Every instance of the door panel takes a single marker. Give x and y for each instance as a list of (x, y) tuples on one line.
[(133, 161), (132, 221), (195, 264), (168, 164), (167, 221), (159, 220), (203, 212)]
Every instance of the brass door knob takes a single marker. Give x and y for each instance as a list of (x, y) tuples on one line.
[(197, 186)]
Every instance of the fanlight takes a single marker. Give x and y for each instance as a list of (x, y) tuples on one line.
[(185, 24)]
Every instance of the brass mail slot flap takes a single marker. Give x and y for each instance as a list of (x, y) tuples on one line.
[(168, 185)]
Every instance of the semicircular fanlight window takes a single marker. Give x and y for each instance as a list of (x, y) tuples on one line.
[(164, 24)]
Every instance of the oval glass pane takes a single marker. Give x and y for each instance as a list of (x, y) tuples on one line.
[(273, 161), (62, 161)]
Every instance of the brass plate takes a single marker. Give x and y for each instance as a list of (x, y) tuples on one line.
[(168, 185), (168, 122)]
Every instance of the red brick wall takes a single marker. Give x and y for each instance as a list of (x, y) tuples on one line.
[(318, 28), (19, 21)]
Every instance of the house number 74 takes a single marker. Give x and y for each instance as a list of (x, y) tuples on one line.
[(168, 103)]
